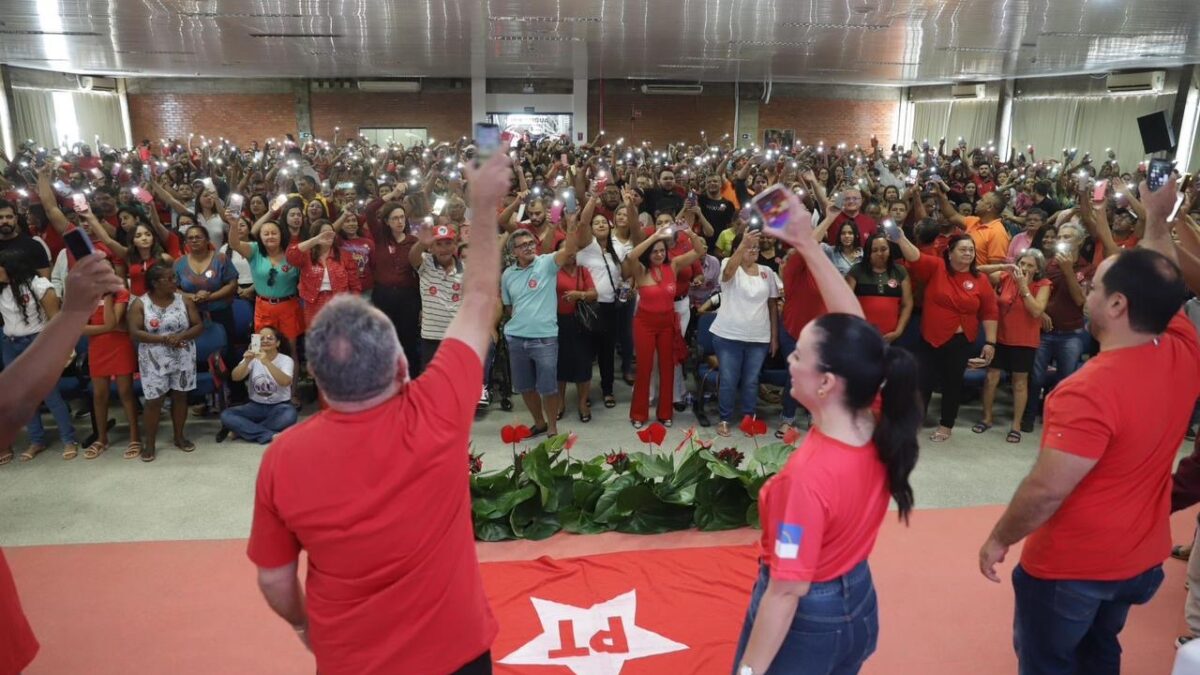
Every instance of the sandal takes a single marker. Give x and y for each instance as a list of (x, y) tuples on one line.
[(6, 457), (939, 436), (723, 430), (185, 445), (610, 401), (666, 423), (31, 452), (981, 427), (134, 450), (560, 414), (70, 451), (1013, 436), (147, 454), (95, 450), (783, 430), (637, 424), (585, 417)]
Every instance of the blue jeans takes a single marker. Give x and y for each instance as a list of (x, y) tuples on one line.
[(1064, 627), (1064, 348), (835, 628), (787, 344), (12, 347), (259, 422), (740, 364), (534, 364)]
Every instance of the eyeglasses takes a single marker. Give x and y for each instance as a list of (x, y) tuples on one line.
[(528, 244), (271, 276)]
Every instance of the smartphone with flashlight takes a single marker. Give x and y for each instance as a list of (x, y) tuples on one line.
[(438, 205), (235, 202), (487, 140), (78, 243), (256, 343), (771, 208), (1160, 170), (79, 201), (891, 230), (570, 201), (1100, 191)]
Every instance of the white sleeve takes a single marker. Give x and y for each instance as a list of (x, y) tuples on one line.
[(58, 274)]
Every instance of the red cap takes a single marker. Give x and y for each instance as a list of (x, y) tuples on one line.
[(443, 232)]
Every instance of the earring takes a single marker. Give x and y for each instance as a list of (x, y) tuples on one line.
[(820, 394)]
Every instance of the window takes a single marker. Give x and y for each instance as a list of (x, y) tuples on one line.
[(406, 136)]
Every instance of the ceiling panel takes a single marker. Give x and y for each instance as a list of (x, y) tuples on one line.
[(844, 41)]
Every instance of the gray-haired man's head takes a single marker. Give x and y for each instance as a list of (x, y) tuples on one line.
[(352, 348)]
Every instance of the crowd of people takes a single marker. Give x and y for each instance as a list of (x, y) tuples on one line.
[(357, 256)]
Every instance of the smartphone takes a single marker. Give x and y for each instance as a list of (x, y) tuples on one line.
[(912, 176), (1160, 170), (278, 202), (487, 140), (346, 185), (78, 243), (235, 202), (79, 201), (438, 205), (691, 199), (563, 159), (570, 202), (770, 207), (1100, 191), (1063, 247), (891, 230), (208, 184), (143, 196), (116, 169), (256, 343)]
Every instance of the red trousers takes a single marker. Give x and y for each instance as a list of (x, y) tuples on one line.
[(653, 335)]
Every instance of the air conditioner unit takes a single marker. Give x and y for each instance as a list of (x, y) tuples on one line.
[(90, 83), (400, 86), (1150, 80), (968, 91), (673, 89)]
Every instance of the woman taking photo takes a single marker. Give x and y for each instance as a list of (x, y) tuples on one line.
[(275, 279), (245, 278), (746, 329), (656, 330), (1022, 294), (958, 300), (883, 289), (575, 284), (325, 270), (268, 374), (814, 608), (598, 254), (111, 355), (27, 303), (165, 325)]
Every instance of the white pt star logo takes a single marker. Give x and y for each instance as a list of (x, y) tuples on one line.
[(596, 640)]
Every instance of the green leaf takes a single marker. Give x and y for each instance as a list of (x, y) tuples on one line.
[(752, 515), (636, 497), (492, 530), (606, 506), (484, 483), (680, 488), (683, 496), (578, 522), (721, 504), (542, 527), (501, 505), (657, 518), (585, 493), (594, 471), (560, 495), (772, 457), (723, 470), (537, 467), (652, 466)]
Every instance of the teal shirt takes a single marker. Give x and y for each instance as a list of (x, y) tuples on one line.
[(287, 277), (533, 294)]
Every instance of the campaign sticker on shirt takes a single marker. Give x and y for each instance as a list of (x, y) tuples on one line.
[(763, 275), (285, 268), (454, 298), (892, 283), (1079, 277), (154, 323), (433, 290), (969, 285), (533, 283), (671, 289), (208, 273), (787, 541)]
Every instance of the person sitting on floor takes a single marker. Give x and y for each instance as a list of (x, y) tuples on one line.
[(270, 409)]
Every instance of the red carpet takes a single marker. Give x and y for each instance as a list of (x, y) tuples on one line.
[(192, 607)]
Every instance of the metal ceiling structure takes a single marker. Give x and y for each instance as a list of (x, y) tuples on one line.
[(888, 42)]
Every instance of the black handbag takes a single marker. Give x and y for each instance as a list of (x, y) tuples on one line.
[(585, 312)]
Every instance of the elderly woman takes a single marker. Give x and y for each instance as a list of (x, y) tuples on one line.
[(209, 279), (165, 324), (1022, 293), (959, 301)]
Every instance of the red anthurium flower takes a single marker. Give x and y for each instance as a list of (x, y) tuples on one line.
[(791, 436), (515, 433), (571, 438), (686, 437), (731, 456), (752, 426), (706, 444), (654, 434), (475, 462)]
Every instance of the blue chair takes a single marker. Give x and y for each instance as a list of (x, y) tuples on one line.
[(243, 320), (706, 374), (208, 354), (779, 377)]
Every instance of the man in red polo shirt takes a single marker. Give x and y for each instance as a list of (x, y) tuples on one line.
[(852, 203), (375, 488), (1096, 504)]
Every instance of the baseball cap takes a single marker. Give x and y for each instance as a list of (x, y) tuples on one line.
[(443, 232)]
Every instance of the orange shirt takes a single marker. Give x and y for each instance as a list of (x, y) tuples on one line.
[(821, 513), (991, 240), (1017, 327), (952, 301), (1127, 408), (380, 501)]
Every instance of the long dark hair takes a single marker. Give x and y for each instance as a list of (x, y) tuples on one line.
[(854, 350), (335, 249), (21, 272), (140, 217), (285, 347), (853, 228), (1039, 237), (893, 252), (157, 249), (645, 257), (954, 241)]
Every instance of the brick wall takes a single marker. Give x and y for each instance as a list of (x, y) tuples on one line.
[(445, 114), (834, 121), (240, 117), (660, 119)]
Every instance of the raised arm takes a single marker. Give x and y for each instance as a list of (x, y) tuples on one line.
[(475, 319), (835, 292), (699, 248), (235, 236), (50, 201), (947, 209)]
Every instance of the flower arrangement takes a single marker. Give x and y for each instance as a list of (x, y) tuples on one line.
[(546, 490)]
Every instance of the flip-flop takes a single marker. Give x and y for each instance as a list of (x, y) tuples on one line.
[(723, 430), (147, 454), (939, 437), (95, 450), (981, 427), (781, 431), (6, 457), (1013, 437)]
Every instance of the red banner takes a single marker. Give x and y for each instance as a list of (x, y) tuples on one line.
[(629, 613)]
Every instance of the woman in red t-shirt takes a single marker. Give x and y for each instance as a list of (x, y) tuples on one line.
[(574, 341), (1022, 292), (958, 300), (821, 514), (111, 355)]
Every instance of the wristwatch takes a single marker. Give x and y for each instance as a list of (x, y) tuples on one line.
[(745, 670)]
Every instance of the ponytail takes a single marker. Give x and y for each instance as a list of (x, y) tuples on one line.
[(896, 430)]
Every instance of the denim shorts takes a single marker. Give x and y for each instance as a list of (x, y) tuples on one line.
[(534, 364)]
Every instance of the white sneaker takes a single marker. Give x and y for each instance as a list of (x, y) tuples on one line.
[(485, 399)]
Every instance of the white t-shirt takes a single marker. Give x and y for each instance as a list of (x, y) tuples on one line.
[(215, 227), (262, 385), (744, 315), (240, 264), (35, 319), (595, 259)]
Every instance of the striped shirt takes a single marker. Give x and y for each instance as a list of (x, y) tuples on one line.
[(441, 296)]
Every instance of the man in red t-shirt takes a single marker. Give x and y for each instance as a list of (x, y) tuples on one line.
[(1096, 504), (852, 203), (375, 488)]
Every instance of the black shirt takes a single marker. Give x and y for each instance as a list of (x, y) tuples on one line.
[(1049, 206), (719, 212), (29, 247), (658, 199)]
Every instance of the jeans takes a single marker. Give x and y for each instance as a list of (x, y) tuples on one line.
[(11, 348), (740, 364), (534, 364), (787, 344), (1064, 627), (835, 629), (259, 422), (624, 312), (1064, 348)]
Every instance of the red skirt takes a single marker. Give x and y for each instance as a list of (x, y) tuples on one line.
[(111, 354)]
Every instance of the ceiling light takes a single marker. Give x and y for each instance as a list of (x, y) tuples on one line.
[(71, 33), (296, 35)]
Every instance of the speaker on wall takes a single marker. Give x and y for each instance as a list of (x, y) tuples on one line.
[(1157, 134)]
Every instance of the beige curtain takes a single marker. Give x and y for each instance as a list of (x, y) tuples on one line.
[(972, 119), (1090, 124), (33, 116), (930, 119), (98, 113)]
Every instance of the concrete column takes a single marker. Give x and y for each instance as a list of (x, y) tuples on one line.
[(6, 121), (301, 90), (1003, 129), (579, 94), (747, 123), (126, 123)]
